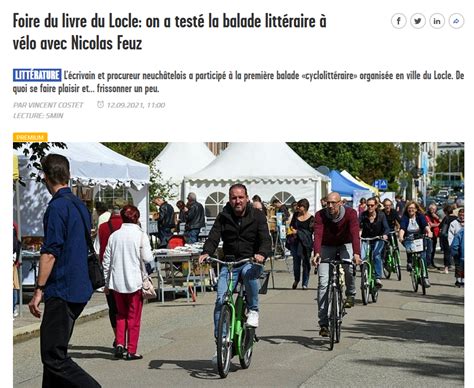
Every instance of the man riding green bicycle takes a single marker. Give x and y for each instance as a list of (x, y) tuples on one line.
[(244, 232)]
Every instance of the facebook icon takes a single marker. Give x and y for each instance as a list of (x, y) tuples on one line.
[(399, 20)]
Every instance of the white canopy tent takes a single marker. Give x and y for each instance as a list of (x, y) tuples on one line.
[(92, 165), (267, 169), (179, 159)]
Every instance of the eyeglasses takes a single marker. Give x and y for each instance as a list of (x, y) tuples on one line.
[(371, 205), (411, 208)]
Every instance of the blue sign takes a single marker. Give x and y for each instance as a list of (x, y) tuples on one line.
[(381, 184)]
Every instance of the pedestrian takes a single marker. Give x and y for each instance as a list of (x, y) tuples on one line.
[(103, 215), (336, 230), (16, 279), (105, 231), (281, 208), (302, 225), (63, 277), (195, 219), (448, 218), (400, 205), (362, 206), (433, 222), (181, 216), (457, 252), (165, 221), (123, 271), (245, 234)]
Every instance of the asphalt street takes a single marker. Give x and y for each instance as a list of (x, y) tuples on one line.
[(404, 340)]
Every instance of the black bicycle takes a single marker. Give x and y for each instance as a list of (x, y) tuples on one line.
[(336, 310)]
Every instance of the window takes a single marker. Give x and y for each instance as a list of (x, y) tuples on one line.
[(284, 197), (109, 196), (215, 202)]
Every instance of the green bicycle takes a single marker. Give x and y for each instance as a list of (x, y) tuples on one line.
[(234, 337), (414, 244), (392, 258), (367, 268)]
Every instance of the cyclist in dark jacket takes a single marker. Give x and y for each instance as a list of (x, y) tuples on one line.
[(244, 232), (373, 223)]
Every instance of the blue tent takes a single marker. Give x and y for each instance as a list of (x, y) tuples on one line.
[(342, 185)]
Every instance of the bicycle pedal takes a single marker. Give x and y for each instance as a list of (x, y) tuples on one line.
[(255, 338)]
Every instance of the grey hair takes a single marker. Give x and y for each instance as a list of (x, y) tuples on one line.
[(192, 196)]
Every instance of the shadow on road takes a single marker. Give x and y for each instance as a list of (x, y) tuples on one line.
[(416, 330), (199, 369), (439, 367), (450, 299), (307, 342), (90, 352)]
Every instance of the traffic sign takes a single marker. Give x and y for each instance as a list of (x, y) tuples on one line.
[(381, 184)]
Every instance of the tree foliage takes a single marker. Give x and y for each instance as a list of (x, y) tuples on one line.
[(455, 157), (34, 152), (368, 161), (141, 152)]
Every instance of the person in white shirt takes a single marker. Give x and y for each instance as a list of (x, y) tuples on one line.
[(123, 272)]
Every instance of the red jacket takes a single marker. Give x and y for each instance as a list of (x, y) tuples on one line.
[(104, 232), (331, 233)]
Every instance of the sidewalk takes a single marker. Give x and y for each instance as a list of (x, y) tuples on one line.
[(27, 326)]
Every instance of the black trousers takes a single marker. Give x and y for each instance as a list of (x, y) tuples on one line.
[(56, 330), (112, 309)]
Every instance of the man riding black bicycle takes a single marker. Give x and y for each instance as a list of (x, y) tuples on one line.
[(244, 232), (336, 230)]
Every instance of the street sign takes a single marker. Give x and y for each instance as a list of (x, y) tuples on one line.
[(381, 184)]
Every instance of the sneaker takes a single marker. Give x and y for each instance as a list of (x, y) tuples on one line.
[(252, 318), (305, 287), (378, 283), (16, 312), (324, 331), (349, 302), (295, 284), (409, 267), (457, 284), (427, 282)]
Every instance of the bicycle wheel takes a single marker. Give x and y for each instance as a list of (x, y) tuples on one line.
[(396, 260), (374, 293), (387, 268), (414, 275), (246, 345), (340, 314), (332, 317), (422, 275), (364, 283), (224, 341)]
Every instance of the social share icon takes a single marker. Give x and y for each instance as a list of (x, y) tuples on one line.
[(399, 20), (456, 20), (418, 20), (437, 20)]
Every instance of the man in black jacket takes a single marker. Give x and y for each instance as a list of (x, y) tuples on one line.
[(244, 232), (194, 219), (165, 221)]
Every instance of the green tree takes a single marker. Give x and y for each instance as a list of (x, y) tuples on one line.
[(159, 187), (34, 152), (141, 152), (455, 157), (368, 161)]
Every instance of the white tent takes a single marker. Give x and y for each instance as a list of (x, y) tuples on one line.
[(92, 165), (267, 169), (179, 159)]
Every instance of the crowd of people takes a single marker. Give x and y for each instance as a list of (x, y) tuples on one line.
[(245, 228)]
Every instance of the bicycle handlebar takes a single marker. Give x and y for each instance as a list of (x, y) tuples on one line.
[(233, 263), (372, 238)]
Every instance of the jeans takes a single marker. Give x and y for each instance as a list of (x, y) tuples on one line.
[(329, 252), (16, 297), (377, 247), (164, 235), (191, 235), (297, 261), (249, 273), (56, 330)]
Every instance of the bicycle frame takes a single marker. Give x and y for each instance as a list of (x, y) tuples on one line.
[(370, 263)]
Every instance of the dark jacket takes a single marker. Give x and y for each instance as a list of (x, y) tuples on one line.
[(166, 220), (392, 217), (243, 237), (373, 229), (420, 220), (195, 217)]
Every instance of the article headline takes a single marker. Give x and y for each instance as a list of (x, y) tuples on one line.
[(26, 22)]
